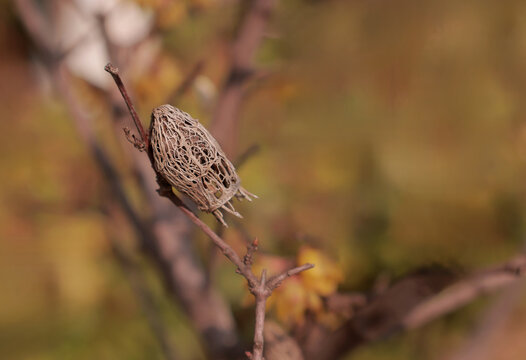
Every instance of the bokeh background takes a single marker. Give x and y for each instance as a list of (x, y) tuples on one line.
[(391, 134)]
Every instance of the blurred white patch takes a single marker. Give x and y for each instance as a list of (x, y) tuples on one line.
[(206, 90), (78, 29)]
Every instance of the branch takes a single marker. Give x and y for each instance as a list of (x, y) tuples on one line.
[(466, 291), (258, 287), (276, 281), (226, 116), (245, 270), (139, 286), (207, 310), (165, 189), (246, 155), (492, 323), (36, 26), (34, 22), (409, 304), (186, 83), (261, 300), (115, 74)]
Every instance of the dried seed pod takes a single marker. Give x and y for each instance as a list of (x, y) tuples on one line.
[(192, 161)]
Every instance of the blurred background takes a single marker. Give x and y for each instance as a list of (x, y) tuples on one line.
[(385, 137)]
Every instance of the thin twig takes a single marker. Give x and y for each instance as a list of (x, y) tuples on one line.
[(115, 74), (226, 249), (248, 259), (186, 83), (246, 155), (276, 281)]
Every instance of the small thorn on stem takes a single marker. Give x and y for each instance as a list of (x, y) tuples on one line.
[(137, 143)]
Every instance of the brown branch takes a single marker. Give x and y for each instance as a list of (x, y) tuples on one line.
[(246, 155), (166, 191), (35, 25), (276, 281), (466, 291), (279, 345), (139, 286), (226, 116), (261, 293), (491, 324), (186, 83), (248, 259), (207, 310), (83, 124), (409, 304), (258, 287), (115, 74)]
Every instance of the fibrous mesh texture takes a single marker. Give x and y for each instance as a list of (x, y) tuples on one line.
[(192, 161)]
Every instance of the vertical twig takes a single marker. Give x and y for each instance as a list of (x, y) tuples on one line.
[(186, 83), (115, 74), (145, 298), (225, 120), (261, 300)]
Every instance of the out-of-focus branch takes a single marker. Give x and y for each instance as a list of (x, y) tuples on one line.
[(186, 83), (257, 287), (466, 291), (279, 345), (109, 172), (166, 238), (492, 323), (246, 155), (60, 78), (35, 25), (224, 125), (409, 304), (145, 298)]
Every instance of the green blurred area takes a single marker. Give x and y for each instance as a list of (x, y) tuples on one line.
[(392, 136)]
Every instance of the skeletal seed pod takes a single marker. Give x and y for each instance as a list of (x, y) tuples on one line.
[(191, 160)]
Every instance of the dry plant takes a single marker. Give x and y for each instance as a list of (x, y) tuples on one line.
[(192, 161), (260, 287)]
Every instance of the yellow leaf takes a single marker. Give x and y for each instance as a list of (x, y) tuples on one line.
[(324, 278), (290, 302)]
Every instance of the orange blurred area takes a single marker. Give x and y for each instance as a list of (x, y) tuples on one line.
[(391, 139)]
